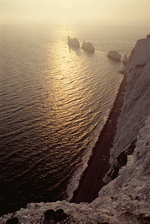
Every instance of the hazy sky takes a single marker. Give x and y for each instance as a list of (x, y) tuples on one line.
[(68, 11)]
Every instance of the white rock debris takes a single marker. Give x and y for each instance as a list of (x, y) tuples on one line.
[(125, 199)]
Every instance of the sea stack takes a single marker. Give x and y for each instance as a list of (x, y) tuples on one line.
[(114, 55), (73, 42), (148, 36), (87, 46), (125, 60)]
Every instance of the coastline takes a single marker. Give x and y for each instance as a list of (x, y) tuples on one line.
[(92, 178), (126, 199)]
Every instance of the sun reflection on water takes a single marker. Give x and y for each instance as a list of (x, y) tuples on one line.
[(64, 83)]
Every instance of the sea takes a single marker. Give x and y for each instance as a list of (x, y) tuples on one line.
[(54, 101)]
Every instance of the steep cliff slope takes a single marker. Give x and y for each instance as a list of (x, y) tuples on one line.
[(136, 107)]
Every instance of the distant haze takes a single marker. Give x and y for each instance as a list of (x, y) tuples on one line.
[(136, 12)]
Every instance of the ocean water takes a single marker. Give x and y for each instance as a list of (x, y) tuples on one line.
[(54, 100)]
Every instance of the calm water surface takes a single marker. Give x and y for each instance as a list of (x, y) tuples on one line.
[(53, 103)]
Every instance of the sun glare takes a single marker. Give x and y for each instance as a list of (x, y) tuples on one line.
[(62, 75)]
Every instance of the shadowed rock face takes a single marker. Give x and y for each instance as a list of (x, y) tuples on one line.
[(88, 47), (125, 60), (12, 221), (52, 216), (148, 36), (121, 160)]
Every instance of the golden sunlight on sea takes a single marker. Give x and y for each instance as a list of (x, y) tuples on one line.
[(63, 78)]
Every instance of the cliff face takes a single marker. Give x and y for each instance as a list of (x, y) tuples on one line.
[(126, 199), (136, 107)]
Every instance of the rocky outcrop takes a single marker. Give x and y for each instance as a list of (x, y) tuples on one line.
[(148, 36), (51, 216), (125, 60), (114, 55), (87, 46), (73, 42), (120, 162)]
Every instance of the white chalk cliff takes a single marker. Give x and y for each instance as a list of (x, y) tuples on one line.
[(126, 199)]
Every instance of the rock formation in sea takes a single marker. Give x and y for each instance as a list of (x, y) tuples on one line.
[(126, 197), (125, 60), (148, 36), (87, 46), (73, 42), (114, 55)]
